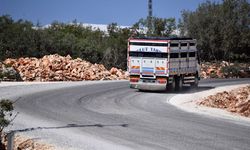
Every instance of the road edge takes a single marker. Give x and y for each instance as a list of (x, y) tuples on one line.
[(26, 83)]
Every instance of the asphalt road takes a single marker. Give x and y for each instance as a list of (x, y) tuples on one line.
[(137, 120)]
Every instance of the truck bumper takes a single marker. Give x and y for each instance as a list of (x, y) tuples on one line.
[(133, 85), (151, 86)]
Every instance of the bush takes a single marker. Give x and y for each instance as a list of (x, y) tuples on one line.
[(6, 108), (231, 71), (213, 74), (8, 73)]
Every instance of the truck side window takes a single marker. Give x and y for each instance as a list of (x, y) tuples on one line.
[(183, 55), (183, 44), (191, 44), (174, 55), (174, 45), (140, 55), (133, 54), (161, 55), (148, 54), (192, 54)]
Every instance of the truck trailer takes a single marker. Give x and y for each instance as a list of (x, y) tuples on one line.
[(162, 63)]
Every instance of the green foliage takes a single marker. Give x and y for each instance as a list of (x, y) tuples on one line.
[(6, 108), (7, 75), (213, 74), (115, 53), (23, 39), (162, 27), (6, 117), (234, 70), (221, 29), (7, 72), (6, 105)]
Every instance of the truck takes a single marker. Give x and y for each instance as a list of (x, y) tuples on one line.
[(156, 63)]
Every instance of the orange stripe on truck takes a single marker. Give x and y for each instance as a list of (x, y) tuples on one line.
[(135, 67), (160, 68)]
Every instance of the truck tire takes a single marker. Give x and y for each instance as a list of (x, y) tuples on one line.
[(196, 82), (179, 83), (132, 86), (172, 86)]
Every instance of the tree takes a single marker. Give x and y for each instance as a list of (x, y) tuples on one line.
[(222, 29), (162, 27), (115, 54), (6, 117)]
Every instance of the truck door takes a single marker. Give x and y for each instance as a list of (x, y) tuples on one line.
[(161, 64), (174, 63), (134, 63), (183, 59), (183, 62), (148, 65), (192, 62), (192, 57)]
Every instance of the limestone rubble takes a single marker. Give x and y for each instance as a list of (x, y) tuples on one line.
[(224, 69), (236, 101), (25, 143), (59, 68)]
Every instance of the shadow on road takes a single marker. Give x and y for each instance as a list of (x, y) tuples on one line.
[(185, 90), (188, 89), (70, 126)]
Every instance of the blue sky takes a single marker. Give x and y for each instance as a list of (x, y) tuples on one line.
[(123, 12)]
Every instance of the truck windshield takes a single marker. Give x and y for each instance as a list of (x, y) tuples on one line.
[(148, 54)]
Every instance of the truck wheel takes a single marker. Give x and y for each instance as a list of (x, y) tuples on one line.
[(132, 86), (172, 86), (179, 83), (196, 82)]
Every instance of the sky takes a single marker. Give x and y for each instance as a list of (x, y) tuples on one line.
[(122, 12)]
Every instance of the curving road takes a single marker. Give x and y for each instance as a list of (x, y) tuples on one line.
[(129, 119)]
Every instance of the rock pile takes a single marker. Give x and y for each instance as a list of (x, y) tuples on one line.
[(209, 70), (59, 68), (224, 69), (236, 101), (24, 143)]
